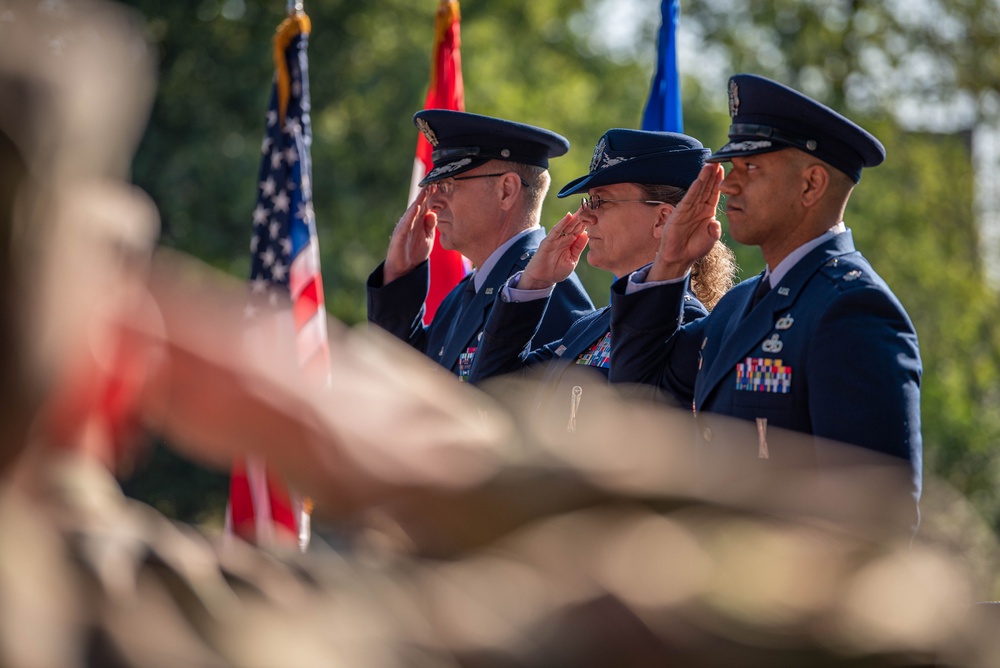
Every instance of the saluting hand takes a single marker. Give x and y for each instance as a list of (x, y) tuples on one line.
[(691, 229), (412, 239), (557, 255)]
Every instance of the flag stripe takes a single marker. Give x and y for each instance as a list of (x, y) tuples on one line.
[(284, 267), (306, 305)]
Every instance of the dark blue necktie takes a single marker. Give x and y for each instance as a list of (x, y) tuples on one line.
[(468, 294), (763, 287)]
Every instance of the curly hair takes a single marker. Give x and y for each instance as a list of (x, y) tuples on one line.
[(713, 275)]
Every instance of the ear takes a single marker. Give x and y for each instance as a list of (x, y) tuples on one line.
[(510, 187), (663, 215), (815, 183)]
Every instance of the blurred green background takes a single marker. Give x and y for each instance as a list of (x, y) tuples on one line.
[(920, 75)]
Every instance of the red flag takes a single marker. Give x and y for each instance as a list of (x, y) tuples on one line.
[(444, 92), (284, 269)]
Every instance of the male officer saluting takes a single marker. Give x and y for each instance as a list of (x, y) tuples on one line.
[(484, 196), (818, 343)]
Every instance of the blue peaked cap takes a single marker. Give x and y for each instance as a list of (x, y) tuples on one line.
[(769, 116), (463, 141), (641, 156)]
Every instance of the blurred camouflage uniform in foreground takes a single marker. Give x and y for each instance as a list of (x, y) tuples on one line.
[(480, 537)]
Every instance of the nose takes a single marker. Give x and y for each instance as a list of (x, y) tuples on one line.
[(729, 186), (435, 199)]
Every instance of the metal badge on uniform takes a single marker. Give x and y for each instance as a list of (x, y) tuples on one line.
[(560, 350), (489, 291), (783, 292), (833, 262), (762, 451), (526, 256), (785, 322), (763, 374), (425, 129), (852, 275), (574, 406), (773, 344), (595, 161)]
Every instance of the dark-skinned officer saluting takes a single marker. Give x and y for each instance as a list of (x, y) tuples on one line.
[(817, 343)]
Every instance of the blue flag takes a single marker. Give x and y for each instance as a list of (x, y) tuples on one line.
[(663, 110)]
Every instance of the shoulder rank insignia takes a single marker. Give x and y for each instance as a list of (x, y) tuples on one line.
[(852, 275)]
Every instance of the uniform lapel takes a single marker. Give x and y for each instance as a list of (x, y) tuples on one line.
[(597, 326), (472, 320), (742, 337)]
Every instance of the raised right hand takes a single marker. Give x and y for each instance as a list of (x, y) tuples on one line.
[(691, 229), (412, 239), (557, 255)]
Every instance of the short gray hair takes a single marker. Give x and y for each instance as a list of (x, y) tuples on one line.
[(539, 180)]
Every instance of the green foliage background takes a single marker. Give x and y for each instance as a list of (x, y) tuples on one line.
[(549, 63)]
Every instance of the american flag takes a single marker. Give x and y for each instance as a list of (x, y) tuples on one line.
[(285, 267)]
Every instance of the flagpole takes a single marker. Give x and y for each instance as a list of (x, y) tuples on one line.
[(284, 262)]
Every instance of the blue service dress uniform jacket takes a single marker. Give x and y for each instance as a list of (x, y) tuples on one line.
[(508, 347), (453, 336), (829, 351)]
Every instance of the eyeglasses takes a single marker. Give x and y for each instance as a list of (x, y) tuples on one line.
[(594, 202), (447, 186)]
